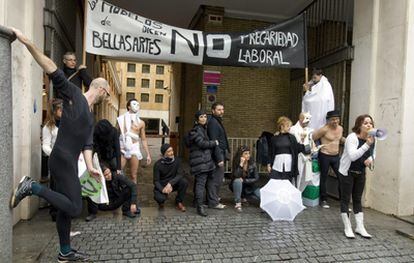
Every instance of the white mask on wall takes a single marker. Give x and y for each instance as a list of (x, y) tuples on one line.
[(134, 106)]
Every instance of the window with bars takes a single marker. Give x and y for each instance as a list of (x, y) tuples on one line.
[(146, 68), (130, 82), (130, 96), (159, 98), (159, 84), (160, 70), (145, 83), (131, 67), (144, 97)]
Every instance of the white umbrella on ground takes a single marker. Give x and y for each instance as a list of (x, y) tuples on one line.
[(281, 200)]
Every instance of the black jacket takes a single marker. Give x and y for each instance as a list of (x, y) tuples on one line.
[(262, 148), (250, 178), (201, 150), (295, 149), (216, 131), (165, 173), (80, 77)]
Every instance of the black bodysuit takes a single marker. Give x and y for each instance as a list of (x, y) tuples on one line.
[(75, 134)]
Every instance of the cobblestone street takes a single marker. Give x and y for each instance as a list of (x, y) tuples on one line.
[(224, 236)]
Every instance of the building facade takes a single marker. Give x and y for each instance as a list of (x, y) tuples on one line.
[(150, 84)]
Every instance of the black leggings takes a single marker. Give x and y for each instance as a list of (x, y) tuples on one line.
[(353, 184), (67, 198), (326, 161)]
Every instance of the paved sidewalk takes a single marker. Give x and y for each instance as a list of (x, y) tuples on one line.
[(316, 235)]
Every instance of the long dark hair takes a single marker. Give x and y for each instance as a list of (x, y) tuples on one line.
[(238, 154), (53, 106), (359, 121), (104, 137)]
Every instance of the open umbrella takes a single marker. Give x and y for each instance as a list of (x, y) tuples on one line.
[(281, 200)]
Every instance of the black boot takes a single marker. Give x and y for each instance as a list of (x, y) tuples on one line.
[(201, 211)]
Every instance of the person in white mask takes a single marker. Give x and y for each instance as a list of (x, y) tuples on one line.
[(132, 133)]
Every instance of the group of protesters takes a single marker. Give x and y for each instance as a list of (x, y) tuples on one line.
[(69, 130)]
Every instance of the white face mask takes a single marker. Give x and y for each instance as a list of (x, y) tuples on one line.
[(306, 118), (134, 106)]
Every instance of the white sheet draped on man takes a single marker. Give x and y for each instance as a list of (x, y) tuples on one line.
[(318, 100)]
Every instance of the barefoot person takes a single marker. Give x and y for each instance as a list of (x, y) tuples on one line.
[(75, 135), (132, 131), (330, 136)]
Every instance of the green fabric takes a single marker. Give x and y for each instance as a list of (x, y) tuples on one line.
[(315, 166), (311, 192)]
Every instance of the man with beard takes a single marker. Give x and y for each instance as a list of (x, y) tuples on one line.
[(331, 135), (216, 132), (75, 136)]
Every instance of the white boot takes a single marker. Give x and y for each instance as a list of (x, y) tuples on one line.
[(347, 224), (360, 229)]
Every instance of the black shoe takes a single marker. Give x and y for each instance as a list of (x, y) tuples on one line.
[(22, 190), (129, 214), (201, 211), (73, 256), (90, 217)]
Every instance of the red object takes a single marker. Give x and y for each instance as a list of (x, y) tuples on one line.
[(211, 77)]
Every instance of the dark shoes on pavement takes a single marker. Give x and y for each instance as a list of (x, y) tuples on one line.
[(90, 217), (73, 256), (22, 190), (201, 211)]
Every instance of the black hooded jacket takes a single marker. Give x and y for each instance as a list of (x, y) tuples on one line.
[(201, 150)]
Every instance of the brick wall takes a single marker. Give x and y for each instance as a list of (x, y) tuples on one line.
[(254, 97)]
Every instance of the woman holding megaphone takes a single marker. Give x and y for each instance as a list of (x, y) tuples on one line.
[(359, 153)]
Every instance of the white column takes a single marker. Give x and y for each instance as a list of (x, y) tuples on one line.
[(382, 85)]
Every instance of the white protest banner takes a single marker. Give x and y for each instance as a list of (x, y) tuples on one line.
[(115, 32), (91, 188)]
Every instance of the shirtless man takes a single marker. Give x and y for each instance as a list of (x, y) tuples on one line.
[(331, 135), (132, 130)]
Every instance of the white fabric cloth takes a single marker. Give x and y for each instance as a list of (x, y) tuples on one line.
[(127, 137), (282, 161), (318, 102), (48, 139), (304, 161), (352, 153)]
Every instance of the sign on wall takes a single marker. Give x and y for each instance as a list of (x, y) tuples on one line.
[(115, 32)]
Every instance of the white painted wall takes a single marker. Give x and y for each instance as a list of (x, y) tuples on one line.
[(27, 81), (381, 85)]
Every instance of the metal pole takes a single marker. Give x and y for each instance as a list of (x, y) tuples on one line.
[(6, 145)]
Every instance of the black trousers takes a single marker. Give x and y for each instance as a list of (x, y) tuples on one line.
[(354, 185), (67, 197), (214, 183), (200, 182), (326, 161), (124, 200), (180, 187)]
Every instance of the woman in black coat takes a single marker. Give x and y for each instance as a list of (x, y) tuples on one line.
[(201, 161)]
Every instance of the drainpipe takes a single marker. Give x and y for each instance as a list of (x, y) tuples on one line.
[(6, 145)]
